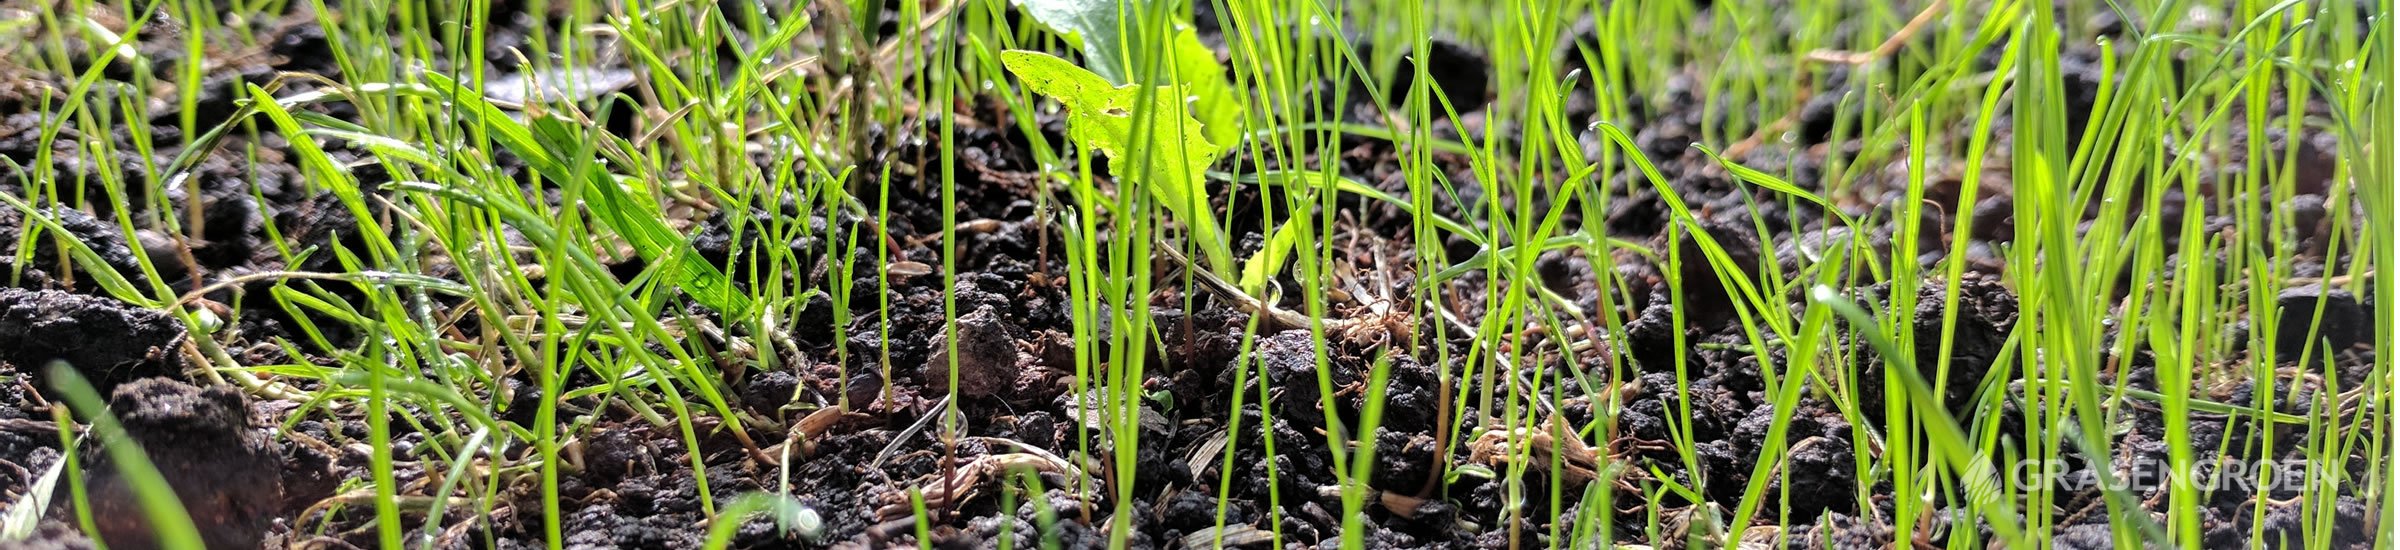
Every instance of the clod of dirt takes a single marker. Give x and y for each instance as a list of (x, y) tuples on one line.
[(1987, 312), (2286, 524), (1290, 361), (1709, 301), (2309, 220), (815, 323), (228, 231), (1825, 110), (1463, 74), (48, 258), (1650, 338), (110, 342), (863, 386), (310, 474), (23, 87), (54, 535), (227, 474), (612, 454), (1837, 530), (987, 355), (2083, 535), (768, 391), (322, 222), (1817, 473), (2341, 327)]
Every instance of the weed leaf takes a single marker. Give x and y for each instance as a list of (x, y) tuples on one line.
[(1094, 26), (1149, 138), (1091, 25)]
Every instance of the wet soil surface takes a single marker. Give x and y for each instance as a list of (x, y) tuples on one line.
[(262, 471)]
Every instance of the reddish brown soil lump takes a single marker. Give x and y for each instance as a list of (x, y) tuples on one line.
[(226, 472)]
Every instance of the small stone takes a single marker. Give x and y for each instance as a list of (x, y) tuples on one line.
[(987, 355), (2341, 326)]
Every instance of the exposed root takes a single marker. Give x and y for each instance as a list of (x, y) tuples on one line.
[(1374, 327), (1497, 447), (963, 484)]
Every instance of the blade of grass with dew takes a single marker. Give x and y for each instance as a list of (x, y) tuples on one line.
[(631, 219)]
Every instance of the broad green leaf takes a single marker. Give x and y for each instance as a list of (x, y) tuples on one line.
[(1094, 26), (1269, 260), (1149, 138), (1213, 99)]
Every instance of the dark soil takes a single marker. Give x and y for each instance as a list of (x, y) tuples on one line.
[(227, 472), (109, 342), (48, 266), (261, 471)]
